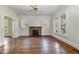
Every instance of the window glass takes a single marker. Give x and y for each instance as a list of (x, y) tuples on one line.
[(5, 26)]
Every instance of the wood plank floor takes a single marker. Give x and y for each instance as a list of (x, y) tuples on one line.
[(35, 45)]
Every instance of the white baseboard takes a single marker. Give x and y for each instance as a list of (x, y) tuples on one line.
[(66, 41)]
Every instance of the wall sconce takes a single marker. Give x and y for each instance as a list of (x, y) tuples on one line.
[(25, 25)]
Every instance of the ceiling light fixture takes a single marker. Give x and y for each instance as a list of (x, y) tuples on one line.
[(35, 8)]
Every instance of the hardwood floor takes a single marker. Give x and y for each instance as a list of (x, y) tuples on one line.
[(35, 45)]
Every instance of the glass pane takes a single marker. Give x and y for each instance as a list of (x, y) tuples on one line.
[(5, 26)]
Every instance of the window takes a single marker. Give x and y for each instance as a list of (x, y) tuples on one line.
[(5, 26)]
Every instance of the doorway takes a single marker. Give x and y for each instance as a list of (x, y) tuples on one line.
[(8, 26)]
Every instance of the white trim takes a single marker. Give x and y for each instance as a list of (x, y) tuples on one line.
[(66, 41)]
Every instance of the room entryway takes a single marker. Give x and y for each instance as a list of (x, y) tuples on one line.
[(8, 26)]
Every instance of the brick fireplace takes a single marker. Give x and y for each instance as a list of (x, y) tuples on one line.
[(35, 31)]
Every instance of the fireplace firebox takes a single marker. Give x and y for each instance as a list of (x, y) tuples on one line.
[(34, 31)]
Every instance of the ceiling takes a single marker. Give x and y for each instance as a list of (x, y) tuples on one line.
[(27, 9)]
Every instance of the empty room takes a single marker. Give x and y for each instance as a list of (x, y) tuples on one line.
[(39, 29)]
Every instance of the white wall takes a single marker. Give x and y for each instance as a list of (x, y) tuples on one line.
[(43, 21), (72, 28), (1, 31), (5, 11), (51, 24)]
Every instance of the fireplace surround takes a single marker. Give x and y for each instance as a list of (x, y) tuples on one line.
[(35, 31)]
